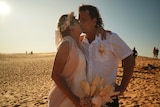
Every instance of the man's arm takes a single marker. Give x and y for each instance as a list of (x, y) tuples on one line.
[(127, 73)]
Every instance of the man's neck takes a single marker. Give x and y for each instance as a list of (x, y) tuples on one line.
[(91, 36)]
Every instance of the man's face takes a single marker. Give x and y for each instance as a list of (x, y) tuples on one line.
[(87, 24)]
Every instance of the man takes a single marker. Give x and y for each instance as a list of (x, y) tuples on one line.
[(103, 55), (135, 53)]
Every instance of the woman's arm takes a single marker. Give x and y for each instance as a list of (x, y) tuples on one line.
[(59, 63)]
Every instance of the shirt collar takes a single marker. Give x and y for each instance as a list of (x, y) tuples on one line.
[(97, 39)]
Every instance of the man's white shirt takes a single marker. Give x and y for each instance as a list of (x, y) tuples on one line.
[(105, 63)]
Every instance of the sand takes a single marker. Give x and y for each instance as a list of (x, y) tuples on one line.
[(144, 87), (25, 81)]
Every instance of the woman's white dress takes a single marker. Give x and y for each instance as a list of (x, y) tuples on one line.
[(74, 72)]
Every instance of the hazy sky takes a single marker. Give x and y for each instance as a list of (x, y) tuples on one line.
[(30, 24)]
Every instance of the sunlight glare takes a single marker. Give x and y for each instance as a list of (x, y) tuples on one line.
[(4, 9)]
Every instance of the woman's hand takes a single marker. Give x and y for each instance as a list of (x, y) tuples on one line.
[(86, 102), (120, 89), (103, 32), (76, 102)]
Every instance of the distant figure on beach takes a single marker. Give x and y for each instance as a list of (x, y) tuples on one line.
[(135, 53), (31, 52), (155, 52), (149, 67)]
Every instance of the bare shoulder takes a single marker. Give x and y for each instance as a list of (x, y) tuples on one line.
[(63, 51)]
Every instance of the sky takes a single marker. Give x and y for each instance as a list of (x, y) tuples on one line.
[(29, 25)]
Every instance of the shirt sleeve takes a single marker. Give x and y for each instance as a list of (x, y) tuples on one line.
[(119, 47)]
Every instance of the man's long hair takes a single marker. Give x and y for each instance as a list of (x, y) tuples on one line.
[(93, 12)]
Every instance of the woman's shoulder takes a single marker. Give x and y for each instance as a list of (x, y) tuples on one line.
[(64, 45), (68, 38)]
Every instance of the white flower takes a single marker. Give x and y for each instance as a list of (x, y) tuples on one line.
[(67, 22)]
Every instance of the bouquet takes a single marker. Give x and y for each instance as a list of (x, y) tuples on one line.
[(97, 94)]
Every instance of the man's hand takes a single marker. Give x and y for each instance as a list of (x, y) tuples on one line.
[(119, 89)]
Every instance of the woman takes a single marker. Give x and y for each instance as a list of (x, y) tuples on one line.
[(69, 65)]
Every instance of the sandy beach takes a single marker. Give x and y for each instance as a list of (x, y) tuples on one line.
[(25, 81)]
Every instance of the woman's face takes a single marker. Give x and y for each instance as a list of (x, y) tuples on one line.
[(77, 27)]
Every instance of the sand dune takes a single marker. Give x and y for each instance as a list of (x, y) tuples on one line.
[(144, 88), (25, 81)]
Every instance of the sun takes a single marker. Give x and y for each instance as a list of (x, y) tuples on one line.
[(4, 8)]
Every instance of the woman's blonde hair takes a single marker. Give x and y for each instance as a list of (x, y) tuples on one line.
[(64, 22)]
